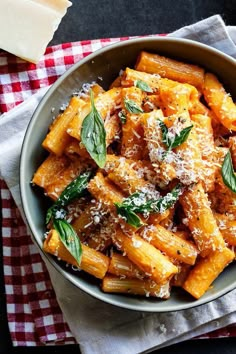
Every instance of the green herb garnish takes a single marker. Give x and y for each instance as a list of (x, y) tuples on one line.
[(132, 107), (122, 117), (142, 85), (130, 217), (139, 203), (93, 135), (74, 190), (69, 238), (170, 141), (228, 174)]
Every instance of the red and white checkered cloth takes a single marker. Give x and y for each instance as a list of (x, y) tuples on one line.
[(20, 79), (34, 316)]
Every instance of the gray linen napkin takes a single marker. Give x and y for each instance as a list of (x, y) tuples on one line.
[(102, 328)]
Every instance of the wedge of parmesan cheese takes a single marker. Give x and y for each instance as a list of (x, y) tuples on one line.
[(27, 26)]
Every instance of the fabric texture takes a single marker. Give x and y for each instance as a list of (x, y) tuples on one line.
[(34, 290)]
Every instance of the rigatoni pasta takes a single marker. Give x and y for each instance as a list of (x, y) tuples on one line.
[(141, 180), (170, 68), (220, 101), (206, 271), (93, 262), (145, 287)]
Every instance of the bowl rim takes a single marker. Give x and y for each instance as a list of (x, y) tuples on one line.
[(33, 231)]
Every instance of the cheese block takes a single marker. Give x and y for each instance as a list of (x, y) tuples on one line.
[(27, 26)]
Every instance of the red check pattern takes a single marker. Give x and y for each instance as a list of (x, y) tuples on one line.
[(34, 316), (19, 79), (33, 313)]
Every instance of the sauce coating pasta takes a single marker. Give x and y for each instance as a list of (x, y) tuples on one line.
[(142, 182)]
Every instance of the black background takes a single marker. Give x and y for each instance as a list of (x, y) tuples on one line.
[(93, 19)]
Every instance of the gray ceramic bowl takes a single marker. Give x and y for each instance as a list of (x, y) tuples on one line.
[(106, 63)]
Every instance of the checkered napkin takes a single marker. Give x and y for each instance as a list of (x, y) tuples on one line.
[(32, 302)]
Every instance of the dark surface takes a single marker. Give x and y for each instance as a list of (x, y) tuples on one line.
[(91, 19)]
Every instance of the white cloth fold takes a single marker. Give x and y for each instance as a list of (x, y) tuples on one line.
[(211, 31), (102, 328)]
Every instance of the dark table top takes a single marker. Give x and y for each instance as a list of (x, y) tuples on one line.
[(92, 19)]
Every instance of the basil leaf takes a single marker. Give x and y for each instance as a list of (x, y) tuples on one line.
[(168, 200), (49, 214), (138, 203), (122, 117), (164, 131), (176, 140), (93, 135), (130, 217), (182, 137), (132, 107), (142, 85), (228, 174), (74, 190), (69, 238), (55, 212)]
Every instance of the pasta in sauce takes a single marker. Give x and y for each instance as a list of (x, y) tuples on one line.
[(142, 180)]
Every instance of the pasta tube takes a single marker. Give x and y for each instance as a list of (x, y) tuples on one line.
[(172, 245), (151, 102), (205, 138), (125, 176), (179, 278), (49, 170), (170, 68), (108, 195), (92, 262), (105, 103), (112, 128), (206, 271), (122, 267), (74, 147), (175, 97), (146, 288), (219, 101), (75, 168), (150, 260), (99, 241), (116, 82), (131, 76), (188, 163), (201, 221), (132, 143), (104, 191), (227, 228), (152, 133), (57, 139), (88, 220)]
